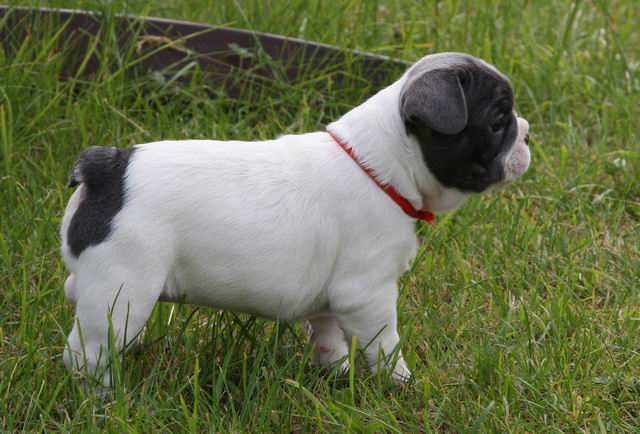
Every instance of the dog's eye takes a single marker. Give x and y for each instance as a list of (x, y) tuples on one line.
[(499, 124)]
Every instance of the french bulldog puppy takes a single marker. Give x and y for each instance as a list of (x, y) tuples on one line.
[(316, 227)]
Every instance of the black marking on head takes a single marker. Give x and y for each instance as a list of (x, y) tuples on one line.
[(462, 150), (102, 172)]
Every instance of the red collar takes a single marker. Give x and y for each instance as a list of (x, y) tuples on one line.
[(406, 206)]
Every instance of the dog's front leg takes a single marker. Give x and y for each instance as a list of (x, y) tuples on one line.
[(327, 339), (373, 323)]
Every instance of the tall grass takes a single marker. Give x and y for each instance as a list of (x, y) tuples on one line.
[(521, 312)]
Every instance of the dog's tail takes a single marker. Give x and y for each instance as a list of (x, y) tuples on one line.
[(97, 165)]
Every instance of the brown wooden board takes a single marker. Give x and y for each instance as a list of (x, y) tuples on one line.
[(228, 57)]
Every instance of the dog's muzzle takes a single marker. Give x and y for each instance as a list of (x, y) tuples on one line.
[(518, 158)]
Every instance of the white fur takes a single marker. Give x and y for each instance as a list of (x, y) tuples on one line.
[(289, 228), (518, 157)]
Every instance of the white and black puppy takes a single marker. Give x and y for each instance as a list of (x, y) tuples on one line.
[(315, 227)]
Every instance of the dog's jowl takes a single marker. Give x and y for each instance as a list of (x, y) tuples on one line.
[(315, 227)]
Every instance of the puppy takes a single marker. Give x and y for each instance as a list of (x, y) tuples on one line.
[(315, 227)]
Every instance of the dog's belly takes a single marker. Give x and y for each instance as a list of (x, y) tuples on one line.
[(270, 287), (263, 303), (277, 272)]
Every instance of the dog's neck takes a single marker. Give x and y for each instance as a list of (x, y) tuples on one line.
[(376, 133)]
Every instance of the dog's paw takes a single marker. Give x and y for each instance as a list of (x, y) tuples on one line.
[(400, 374)]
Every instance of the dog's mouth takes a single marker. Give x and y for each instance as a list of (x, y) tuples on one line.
[(517, 160)]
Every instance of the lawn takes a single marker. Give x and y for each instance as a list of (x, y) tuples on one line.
[(521, 312)]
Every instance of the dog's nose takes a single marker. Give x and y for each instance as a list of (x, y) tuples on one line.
[(526, 139)]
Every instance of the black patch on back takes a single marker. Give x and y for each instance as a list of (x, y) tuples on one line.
[(102, 172), (470, 159)]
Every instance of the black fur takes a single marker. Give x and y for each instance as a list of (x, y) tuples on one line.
[(102, 172), (469, 157)]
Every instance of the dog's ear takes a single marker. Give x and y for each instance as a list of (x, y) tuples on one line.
[(436, 99)]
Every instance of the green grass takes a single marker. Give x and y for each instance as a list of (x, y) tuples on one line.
[(520, 314)]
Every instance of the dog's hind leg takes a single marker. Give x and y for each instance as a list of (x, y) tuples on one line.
[(112, 306)]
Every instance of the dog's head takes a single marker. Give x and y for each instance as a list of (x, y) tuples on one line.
[(460, 111)]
